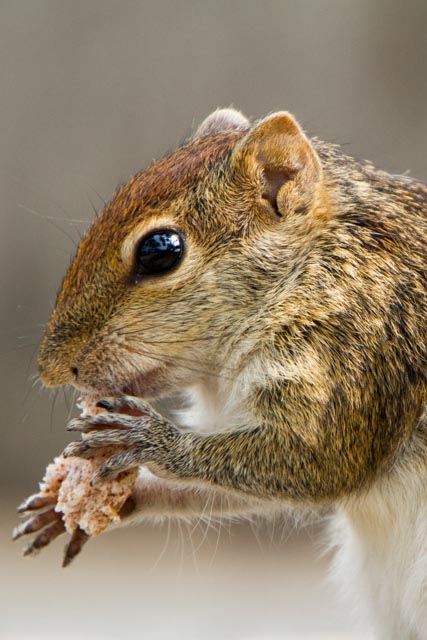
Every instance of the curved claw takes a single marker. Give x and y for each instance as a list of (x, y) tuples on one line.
[(75, 545), (115, 465), (36, 502), (35, 523), (45, 537)]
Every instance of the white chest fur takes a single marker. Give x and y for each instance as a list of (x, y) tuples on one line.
[(381, 559)]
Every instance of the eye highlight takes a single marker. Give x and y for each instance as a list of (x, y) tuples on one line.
[(158, 252)]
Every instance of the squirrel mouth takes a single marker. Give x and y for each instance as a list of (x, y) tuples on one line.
[(151, 384)]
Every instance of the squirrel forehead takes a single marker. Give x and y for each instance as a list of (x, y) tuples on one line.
[(174, 176), (146, 195)]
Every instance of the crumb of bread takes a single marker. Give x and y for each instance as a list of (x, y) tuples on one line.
[(92, 509), (87, 404)]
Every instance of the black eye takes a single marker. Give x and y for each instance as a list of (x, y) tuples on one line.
[(159, 252)]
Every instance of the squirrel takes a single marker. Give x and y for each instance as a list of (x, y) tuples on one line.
[(280, 286)]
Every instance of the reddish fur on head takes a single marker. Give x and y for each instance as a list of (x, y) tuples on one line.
[(225, 191), (97, 278)]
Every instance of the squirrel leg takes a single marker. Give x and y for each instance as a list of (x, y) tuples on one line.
[(268, 461), (156, 498)]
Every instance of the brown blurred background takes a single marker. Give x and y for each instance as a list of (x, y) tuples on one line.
[(91, 92)]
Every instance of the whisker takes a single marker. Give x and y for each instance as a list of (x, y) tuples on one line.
[(55, 397), (37, 191), (182, 547), (31, 360), (146, 326), (67, 403), (50, 220), (44, 216), (174, 341), (94, 209), (27, 397), (165, 547), (104, 202), (138, 351), (113, 376), (255, 532), (28, 377), (203, 519), (121, 331), (176, 359), (18, 347), (218, 536), (192, 547)]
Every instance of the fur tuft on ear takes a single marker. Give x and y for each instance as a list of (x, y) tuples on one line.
[(220, 121)]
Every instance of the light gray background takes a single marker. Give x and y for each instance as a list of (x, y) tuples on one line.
[(92, 92)]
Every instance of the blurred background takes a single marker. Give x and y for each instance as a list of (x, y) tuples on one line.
[(92, 91)]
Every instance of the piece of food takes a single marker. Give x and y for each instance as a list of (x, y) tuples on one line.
[(87, 404), (74, 505), (81, 505)]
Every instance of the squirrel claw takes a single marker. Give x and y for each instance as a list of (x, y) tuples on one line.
[(36, 502), (74, 546), (35, 523), (115, 465), (45, 537)]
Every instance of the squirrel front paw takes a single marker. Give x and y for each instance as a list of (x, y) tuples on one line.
[(130, 424)]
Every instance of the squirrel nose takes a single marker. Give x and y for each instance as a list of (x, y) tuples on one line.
[(53, 374)]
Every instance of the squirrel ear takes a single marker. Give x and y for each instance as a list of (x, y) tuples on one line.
[(280, 159), (220, 121)]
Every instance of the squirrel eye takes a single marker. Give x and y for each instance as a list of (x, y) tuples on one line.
[(159, 252)]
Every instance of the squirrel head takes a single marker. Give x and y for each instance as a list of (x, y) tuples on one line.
[(183, 259)]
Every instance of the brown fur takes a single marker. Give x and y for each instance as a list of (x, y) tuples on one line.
[(305, 274)]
